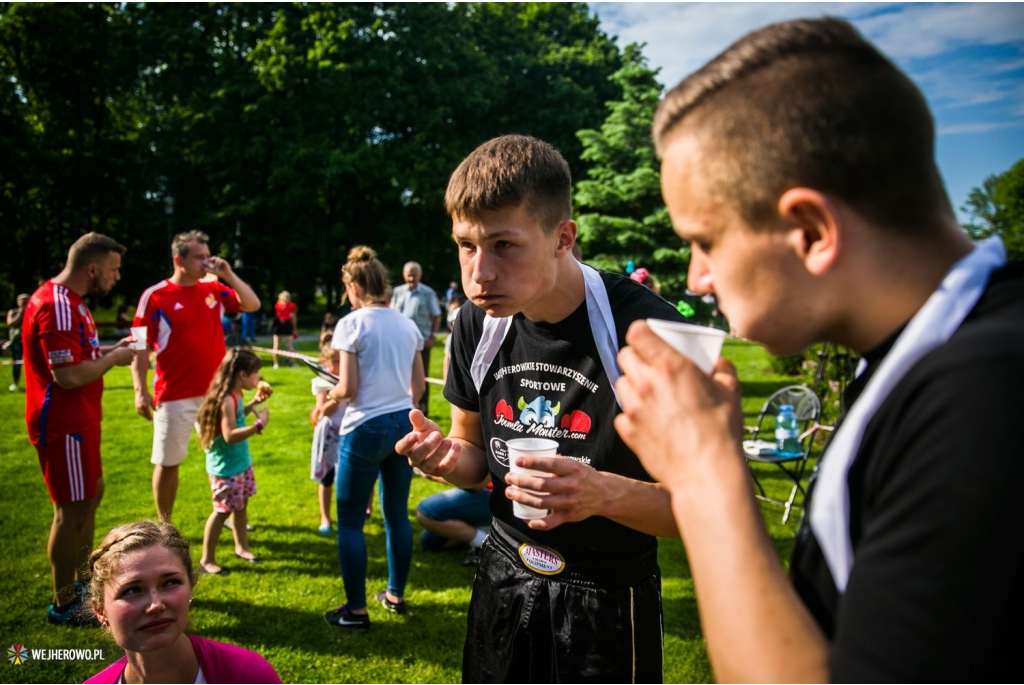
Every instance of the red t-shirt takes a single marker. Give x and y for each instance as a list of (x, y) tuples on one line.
[(185, 330), (58, 330), (284, 310)]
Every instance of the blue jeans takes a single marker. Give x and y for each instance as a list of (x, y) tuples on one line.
[(471, 506), (362, 454), (248, 326)]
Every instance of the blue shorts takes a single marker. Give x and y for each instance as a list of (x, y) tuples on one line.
[(470, 506)]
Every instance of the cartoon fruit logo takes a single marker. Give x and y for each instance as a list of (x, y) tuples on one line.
[(503, 410), (576, 421)]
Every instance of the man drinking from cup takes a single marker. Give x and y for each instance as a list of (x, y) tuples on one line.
[(799, 163), (576, 594), (182, 315)]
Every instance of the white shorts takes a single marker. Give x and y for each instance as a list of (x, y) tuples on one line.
[(172, 425)]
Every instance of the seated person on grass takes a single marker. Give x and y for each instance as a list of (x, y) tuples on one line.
[(453, 517)]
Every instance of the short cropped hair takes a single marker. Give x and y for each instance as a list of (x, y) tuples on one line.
[(509, 171), (90, 249), (810, 103), (179, 245)]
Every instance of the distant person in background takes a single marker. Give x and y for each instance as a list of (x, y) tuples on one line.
[(380, 376), (122, 322), (453, 291), (328, 324), (248, 320), (453, 312), (285, 323), (64, 368), (183, 315), (15, 317), (418, 302), (326, 418), (141, 584)]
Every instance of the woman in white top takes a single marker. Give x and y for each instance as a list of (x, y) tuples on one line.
[(381, 376)]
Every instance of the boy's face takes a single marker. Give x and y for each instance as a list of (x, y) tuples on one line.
[(509, 263), (755, 274)]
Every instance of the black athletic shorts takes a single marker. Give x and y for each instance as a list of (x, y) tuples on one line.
[(589, 622), (282, 327)]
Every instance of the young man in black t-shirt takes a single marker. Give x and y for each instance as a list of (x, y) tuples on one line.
[(799, 164), (575, 595)]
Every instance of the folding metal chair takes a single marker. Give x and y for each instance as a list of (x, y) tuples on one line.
[(761, 445)]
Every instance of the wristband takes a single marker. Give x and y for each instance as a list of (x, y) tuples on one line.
[(259, 426)]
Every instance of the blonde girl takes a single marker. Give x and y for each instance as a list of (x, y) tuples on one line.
[(224, 435), (326, 416), (286, 324)]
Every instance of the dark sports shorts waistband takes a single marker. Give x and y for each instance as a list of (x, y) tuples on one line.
[(627, 569)]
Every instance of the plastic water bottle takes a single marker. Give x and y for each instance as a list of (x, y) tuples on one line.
[(787, 433)]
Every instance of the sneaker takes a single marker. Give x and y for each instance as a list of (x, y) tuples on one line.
[(346, 619), (472, 557), (13, 387), (73, 616), (394, 607)]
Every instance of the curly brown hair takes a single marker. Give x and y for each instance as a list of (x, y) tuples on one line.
[(235, 363)]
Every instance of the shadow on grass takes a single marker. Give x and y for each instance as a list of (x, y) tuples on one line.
[(434, 633)]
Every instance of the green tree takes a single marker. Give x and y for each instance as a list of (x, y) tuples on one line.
[(997, 208), (621, 214)]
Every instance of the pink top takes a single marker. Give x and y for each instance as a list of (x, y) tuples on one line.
[(221, 663)]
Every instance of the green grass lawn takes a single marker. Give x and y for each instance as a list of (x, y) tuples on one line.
[(276, 608)]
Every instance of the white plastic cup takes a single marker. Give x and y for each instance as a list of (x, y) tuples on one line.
[(139, 334), (529, 447), (699, 344)]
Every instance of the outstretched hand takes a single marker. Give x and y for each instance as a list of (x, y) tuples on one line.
[(426, 448)]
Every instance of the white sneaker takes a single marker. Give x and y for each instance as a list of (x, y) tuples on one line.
[(13, 387)]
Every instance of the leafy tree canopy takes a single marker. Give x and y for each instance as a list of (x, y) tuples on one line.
[(621, 214), (308, 127), (997, 208)]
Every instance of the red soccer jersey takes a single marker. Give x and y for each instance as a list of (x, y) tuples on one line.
[(58, 331), (284, 311), (185, 330)]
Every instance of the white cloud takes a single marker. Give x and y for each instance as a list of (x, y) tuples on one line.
[(681, 37), (979, 128), (927, 30)]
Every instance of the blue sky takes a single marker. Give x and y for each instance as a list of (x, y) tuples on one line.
[(968, 58)]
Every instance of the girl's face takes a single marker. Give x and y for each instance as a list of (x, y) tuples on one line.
[(334, 362), (249, 380), (146, 602)]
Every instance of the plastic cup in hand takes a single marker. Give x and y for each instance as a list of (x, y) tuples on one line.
[(699, 344), (139, 334), (529, 447)]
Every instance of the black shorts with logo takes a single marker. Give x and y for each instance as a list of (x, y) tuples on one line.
[(563, 622)]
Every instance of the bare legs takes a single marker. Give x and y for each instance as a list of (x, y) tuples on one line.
[(211, 536), (326, 502), (165, 489), (71, 538)]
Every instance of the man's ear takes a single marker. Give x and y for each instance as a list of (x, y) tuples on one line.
[(566, 236), (815, 227)]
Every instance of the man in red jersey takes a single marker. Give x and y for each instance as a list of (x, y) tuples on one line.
[(64, 367), (183, 314)]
